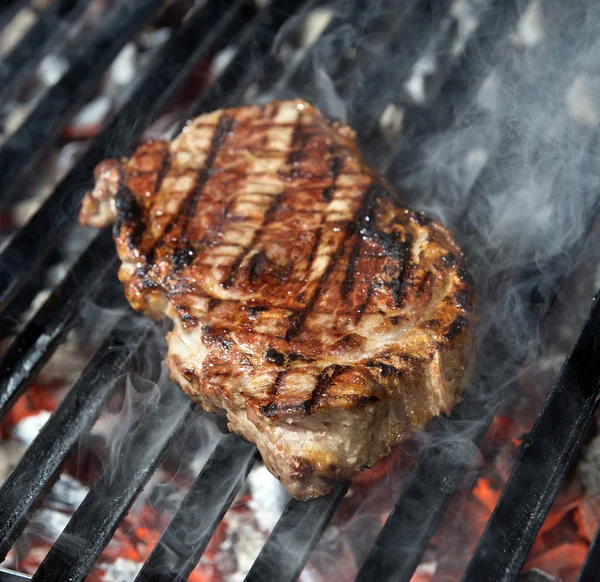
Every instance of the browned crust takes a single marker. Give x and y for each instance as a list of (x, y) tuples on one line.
[(294, 269)]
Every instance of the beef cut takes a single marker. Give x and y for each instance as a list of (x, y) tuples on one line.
[(325, 319)]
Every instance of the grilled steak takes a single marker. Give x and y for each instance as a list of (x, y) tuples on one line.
[(325, 319)]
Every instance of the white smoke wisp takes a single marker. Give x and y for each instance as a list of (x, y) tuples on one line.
[(515, 176), (512, 177)]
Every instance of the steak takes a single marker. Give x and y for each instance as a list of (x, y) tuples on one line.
[(325, 319)]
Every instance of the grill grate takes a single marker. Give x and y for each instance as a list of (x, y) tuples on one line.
[(546, 456), (74, 415), (111, 496), (428, 490), (26, 145), (57, 16), (202, 509), (200, 36)]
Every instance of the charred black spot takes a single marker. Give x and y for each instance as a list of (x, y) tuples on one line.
[(146, 282), (386, 370), (463, 299), (324, 381), (367, 399), (128, 209), (212, 303), (420, 219), (217, 340), (188, 373), (182, 257), (327, 194), (295, 357), (274, 357), (273, 409), (256, 265), (397, 320), (449, 260), (431, 323), (129, 214), (456, 327), (255, 310), (186, 317)]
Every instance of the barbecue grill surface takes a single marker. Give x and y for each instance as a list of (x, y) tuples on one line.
[(415, 32)]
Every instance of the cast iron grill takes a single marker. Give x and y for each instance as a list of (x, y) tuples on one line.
[(552, 444)]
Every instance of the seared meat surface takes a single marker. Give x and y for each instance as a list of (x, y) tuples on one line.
[(326, 320)]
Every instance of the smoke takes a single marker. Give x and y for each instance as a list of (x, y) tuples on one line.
[(514, 174)]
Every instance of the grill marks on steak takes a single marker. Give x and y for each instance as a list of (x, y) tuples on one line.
[(328, 321)]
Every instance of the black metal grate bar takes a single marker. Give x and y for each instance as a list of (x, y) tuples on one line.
[(591, 566), (294, 537), (458, 86), (27, 144), (190, 530), (416, 26), (111, 496), (10, 576), (9, 10), (546, 456), (406, 533), (201, 35), (35, 236), (41, 462), (431, 485), (248, 66), (37, 342), (59, 14), (283, 567)]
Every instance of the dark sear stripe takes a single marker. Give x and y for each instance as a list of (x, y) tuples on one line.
[(322, 384), (164, 168), (190, 204), (268, 217), (130, 215), (399, 252), (336, 167), (299, 140), (324, 381), (277, 384), (366, 217), (337, 164), (298, 320)]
